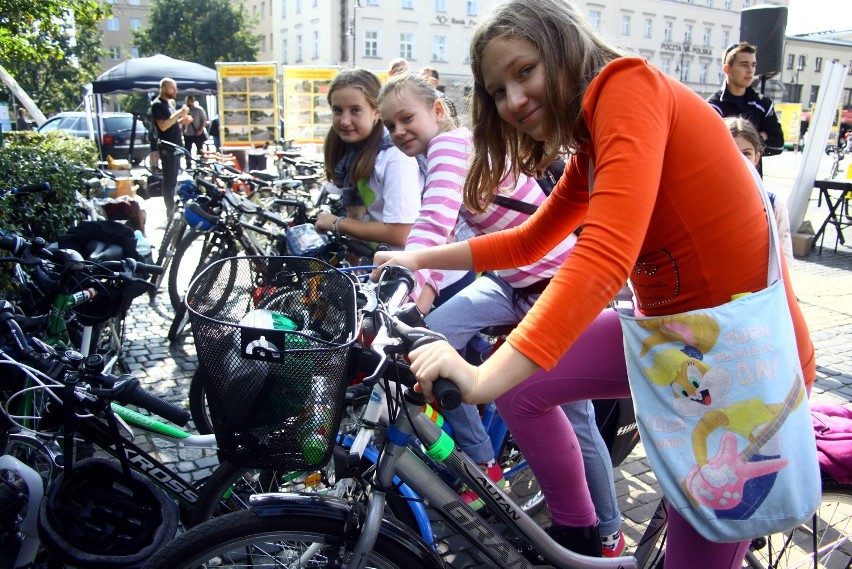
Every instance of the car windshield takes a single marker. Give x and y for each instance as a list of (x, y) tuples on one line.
[(119, 124)]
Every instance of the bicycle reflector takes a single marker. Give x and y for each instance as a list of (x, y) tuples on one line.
[(99, 517)]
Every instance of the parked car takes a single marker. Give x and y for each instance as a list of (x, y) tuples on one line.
[(116, 134)]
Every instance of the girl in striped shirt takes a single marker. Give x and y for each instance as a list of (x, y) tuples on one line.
[(419, 124)]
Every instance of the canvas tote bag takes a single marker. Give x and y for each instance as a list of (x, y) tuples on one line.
[(723, 413)]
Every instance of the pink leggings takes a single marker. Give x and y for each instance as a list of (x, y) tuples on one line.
[(593, 368)]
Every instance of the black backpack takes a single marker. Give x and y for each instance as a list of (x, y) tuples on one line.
[(547, 181)]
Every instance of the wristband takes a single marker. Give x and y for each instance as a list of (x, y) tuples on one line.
[(336, 225)]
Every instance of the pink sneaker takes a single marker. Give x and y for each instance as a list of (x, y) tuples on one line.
[(613, 545), (495, 473)]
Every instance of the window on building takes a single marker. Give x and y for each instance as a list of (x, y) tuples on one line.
[(298, 6), (372, 2), (847, 93), (708, 35), (371, 43), (818, 64), (262, 43), (439, 48), (803, 59), (625, 25), (687, 34), (727, 4), (790, 59), (315, 44), (472, 8), (135, 23), (649, 28), (314, 3), (709, 3), (406, 4), (849, 68), (595, 19), (684, 72), (666, 65), (134, 52), (262, 9), (299, 48), (284, 59), (133, 2), (668, 30), (704, 71), (440, 5), (283, 9), (726, 38), (814, 95), (113, 24), (115, 52), (406, 45)]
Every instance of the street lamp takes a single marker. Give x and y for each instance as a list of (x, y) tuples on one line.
[(351, 30), (686, 45)]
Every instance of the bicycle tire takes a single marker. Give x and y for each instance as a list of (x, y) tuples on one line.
[(195, 252), (524, 490), (796, 549), (198, 408), (242, 538), (174, 233)]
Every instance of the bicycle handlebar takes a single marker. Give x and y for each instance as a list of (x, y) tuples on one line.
[(401, 281), (28, 189)]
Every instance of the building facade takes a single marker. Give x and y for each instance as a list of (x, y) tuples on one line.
[(119, 43)]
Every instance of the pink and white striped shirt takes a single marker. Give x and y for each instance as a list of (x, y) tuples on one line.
[(442, 209)]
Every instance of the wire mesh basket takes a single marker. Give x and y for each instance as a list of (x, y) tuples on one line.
[(274, 337)]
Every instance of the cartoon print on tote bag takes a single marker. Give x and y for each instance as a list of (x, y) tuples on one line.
[(745, 460)]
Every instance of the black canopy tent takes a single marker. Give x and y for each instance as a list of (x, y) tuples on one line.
[(143, 74)]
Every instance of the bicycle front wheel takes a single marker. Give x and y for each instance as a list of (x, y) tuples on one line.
[(195, 252), (244, 539), (821, 542)]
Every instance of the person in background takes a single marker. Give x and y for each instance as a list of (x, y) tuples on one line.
[(750, 144), (419, 124), (398, 65), (546, 83), (168, 120), (380, 186), (214, 133), (738, 98), (195, 131), (434, 78), (22, 122)]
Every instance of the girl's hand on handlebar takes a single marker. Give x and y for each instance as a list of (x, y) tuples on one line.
[(402, 258), (439, 359), (325, 222)]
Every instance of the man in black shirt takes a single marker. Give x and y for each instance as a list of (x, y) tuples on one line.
[(738, 98), (167, 121)]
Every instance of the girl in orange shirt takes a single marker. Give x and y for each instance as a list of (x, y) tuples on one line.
[(673, 208)]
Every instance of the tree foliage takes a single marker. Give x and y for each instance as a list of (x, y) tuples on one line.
[(52, 48), (201, 32)]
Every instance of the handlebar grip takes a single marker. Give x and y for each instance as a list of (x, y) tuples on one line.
[(141, 398), (10, 242), (447, 393), (32, 188), (149, 269)]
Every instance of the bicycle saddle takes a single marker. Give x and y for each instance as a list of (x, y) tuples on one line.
[(261, 175)]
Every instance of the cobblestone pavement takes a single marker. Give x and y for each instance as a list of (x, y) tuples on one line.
[(823, 284)]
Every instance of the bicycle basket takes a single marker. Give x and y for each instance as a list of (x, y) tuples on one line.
[(274, 337)]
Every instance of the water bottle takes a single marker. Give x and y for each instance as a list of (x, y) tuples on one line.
[(143, 246), (314, 429)]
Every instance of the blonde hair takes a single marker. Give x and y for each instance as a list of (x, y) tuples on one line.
[(334, 148), (572, 54), (743, 127), (407, 85)]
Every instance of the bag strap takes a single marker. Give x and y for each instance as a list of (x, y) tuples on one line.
[(515, 205), (774, 272)]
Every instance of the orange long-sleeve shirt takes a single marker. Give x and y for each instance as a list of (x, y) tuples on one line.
[(673, 207)]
